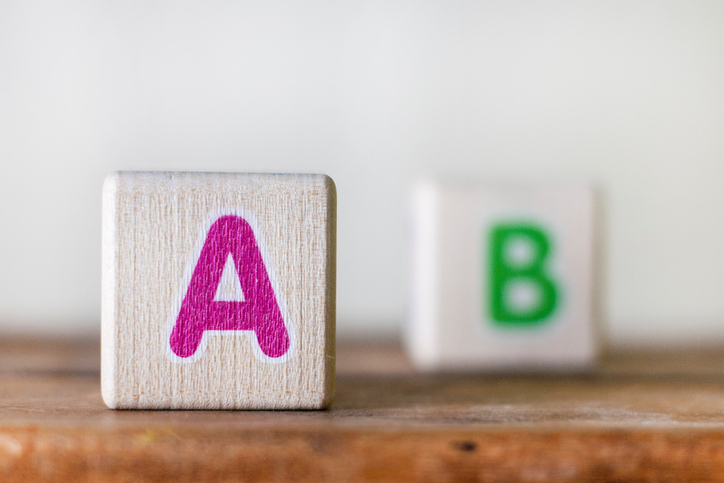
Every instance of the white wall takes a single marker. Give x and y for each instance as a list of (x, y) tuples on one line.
[(629, 94)]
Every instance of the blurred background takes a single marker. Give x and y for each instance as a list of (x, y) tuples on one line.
[(627, 94)]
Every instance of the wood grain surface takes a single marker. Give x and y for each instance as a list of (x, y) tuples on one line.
[(168, 341), (641, 417)]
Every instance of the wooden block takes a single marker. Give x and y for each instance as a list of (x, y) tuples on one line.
[(502, 278), (218, 291)]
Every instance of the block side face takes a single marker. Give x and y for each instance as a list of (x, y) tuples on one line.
[(421, 335), (588, 350), (108, 290), (330, 353), (171, 215), (597, 314), (472, 333)]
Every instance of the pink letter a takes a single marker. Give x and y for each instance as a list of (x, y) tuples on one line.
[(258, 312)]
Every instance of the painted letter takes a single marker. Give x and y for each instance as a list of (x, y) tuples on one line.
[(527, 272), (259, 312)]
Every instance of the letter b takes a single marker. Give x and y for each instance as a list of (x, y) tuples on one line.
[(520, 292)]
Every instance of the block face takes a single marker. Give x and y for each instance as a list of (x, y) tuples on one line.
[(218, 291), (502, 277)]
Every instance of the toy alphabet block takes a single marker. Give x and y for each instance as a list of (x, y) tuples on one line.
[(218, 291), (502, 278)]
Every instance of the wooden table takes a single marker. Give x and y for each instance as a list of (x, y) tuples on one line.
[(640, 417)]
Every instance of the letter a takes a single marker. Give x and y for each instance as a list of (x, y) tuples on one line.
[(259, 312)]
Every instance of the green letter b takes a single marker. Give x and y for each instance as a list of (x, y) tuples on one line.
[(518, 252)]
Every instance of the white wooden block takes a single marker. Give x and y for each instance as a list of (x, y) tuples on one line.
[(218, 291), (502, 278)]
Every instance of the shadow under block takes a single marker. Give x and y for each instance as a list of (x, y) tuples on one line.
[(218, 291), (502, 278)]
